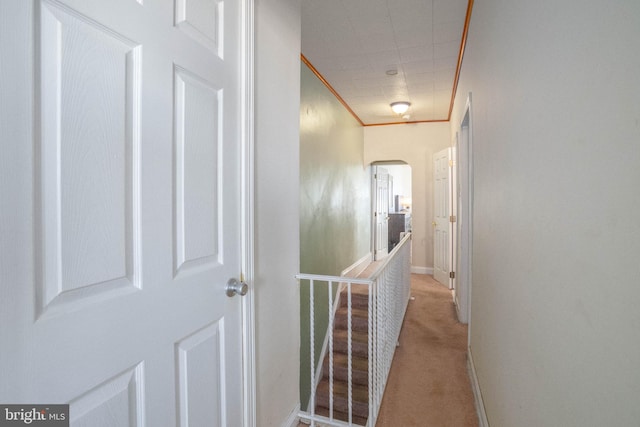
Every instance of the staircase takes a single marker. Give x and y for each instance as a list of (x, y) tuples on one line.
[(360, 363), (389, 284)]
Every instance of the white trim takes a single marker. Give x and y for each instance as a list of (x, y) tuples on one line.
[(454, 211), (422, 270), (249, 389), (357, 267), (477, 393), (464, 223), (464, 282), (470, 163), (292, 420)]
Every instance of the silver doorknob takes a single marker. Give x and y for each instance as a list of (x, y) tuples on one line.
[(234, 286)]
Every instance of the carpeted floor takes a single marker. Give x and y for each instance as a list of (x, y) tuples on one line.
[(428, 384)]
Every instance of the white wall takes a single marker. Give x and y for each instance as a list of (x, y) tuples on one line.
[(277, 241), (401, 179), (414, 144), (555, 324)]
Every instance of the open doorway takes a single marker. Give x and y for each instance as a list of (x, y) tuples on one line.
[(392, 205), (464, 212)]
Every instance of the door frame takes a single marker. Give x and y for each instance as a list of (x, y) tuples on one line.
[(247, 211), (453, 206), (464, 244)]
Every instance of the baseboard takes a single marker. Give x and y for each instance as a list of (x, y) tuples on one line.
[(357, 267), (422, 270), (477, 393), (292, 420)]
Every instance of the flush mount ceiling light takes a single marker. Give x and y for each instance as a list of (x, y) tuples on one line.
[(400, 107)]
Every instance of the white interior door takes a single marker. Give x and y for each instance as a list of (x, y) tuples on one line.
[(120, 213), (441, 221), (382, 212)]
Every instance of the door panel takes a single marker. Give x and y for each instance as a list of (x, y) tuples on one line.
[(124, 219), (87, 229), (201, 373), (116, 402), (197, 118)]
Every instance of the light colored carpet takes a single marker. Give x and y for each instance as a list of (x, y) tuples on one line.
[(428, 384)]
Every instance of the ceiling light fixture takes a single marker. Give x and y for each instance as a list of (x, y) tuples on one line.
[(400, 107)]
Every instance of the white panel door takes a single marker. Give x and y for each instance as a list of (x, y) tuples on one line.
[(120, 215), (381, 179), (441, 208)]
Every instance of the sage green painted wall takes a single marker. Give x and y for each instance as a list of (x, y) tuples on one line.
[(335, 202)]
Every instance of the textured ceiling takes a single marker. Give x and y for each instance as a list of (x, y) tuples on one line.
[(354, 43)]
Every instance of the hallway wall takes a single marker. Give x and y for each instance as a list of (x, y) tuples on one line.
[(335, 188), (277, 300), (414, 144), (556, 131), (335, 201)]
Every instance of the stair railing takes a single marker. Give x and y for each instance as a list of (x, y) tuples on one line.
[(387, 292)]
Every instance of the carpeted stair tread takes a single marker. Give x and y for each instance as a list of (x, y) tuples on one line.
[(357, 289), (359, 319), (359, 342), (360, 369), (337, 415), (359, 298), (360, 399), (360, 351)]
